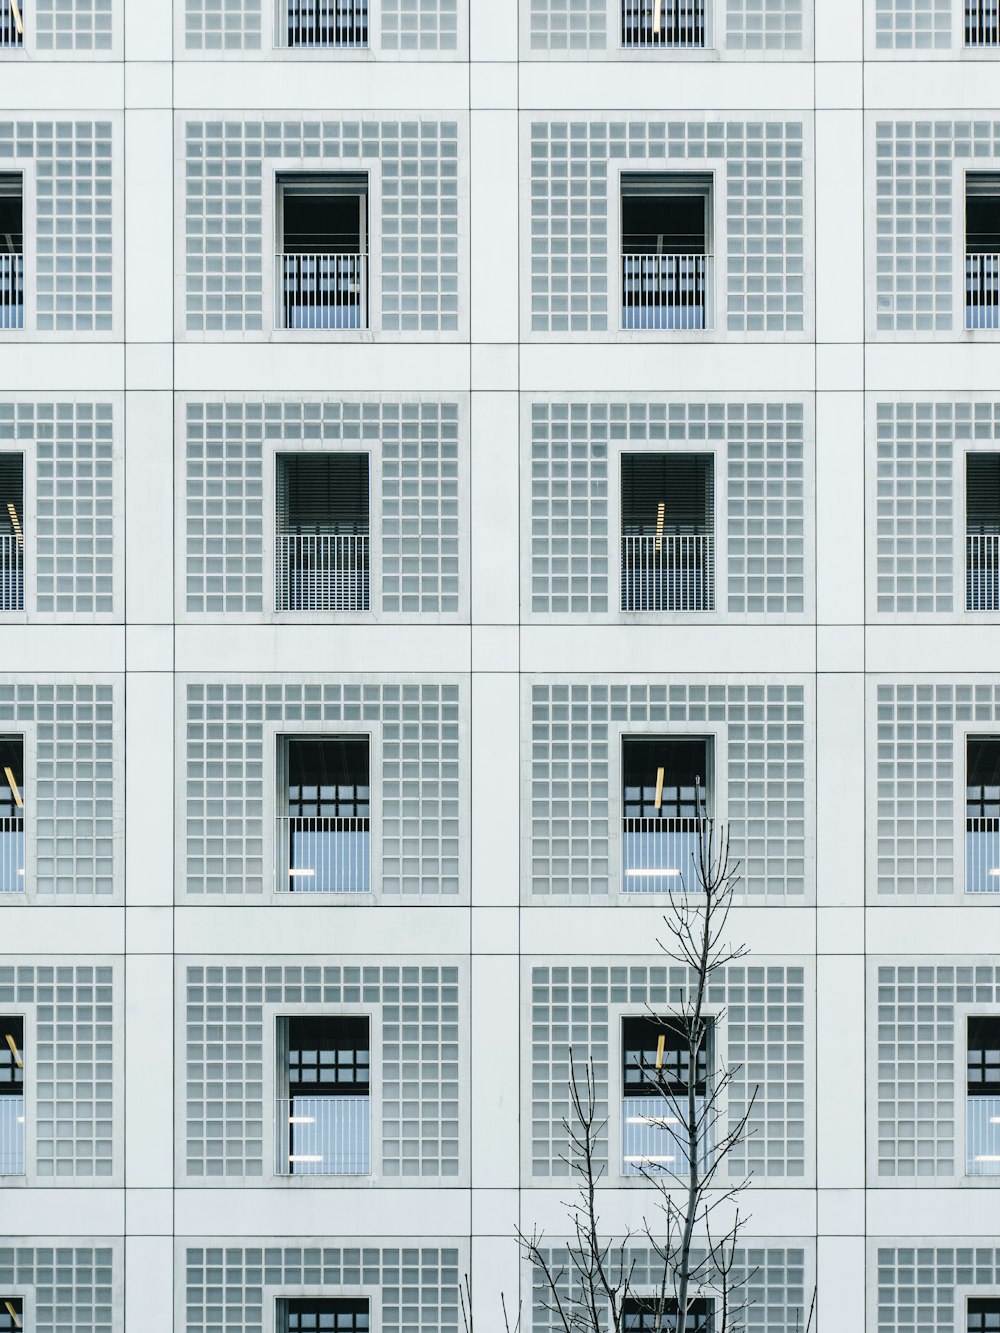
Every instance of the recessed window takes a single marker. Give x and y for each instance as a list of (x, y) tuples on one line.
[(658, 1075), (982, 1139), (666, 786), (323, 837), (12, 1082), (325, 1314), (322, 265), (12, 22), (654, 1314), (668, 532), (982, 814), (12, 812), (982, 27), (323, 1114), (11, 250), (666, 250), (325, 23), (982, 532), (11, 532), (11, 1314), (983, 1314), (670, 24), (322, 539), (982, 250)]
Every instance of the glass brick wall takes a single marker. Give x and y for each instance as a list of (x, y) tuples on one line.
[(421, 774), (763, 476), (72, 25), (570, 804), (420, 456), (74, 1008), (741, 26), (228, 1132), (766, 1026), (573, 188), (406, 26), (74, 1285), (227, 1286), (227, 248)]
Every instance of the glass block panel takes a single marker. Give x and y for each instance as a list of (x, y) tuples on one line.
[(73, 1287), (913, 25), (73, 1066), (227, 768), (72, 222), (765, 1046), (223, 25), (72, 25), (571, 803), (419, 25), (226, 247), (764, 25), (417, 1286), (569, 25), (228, 1123)]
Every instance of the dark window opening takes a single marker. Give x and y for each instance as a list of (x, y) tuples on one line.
[(11, 1314), (339, 1314), (982, 793), (328, 777), (663, 23), (327, 22), (329, 1056), (11, 251), (12, 1056), (982, 532), (662, 776), (983, 1056), (323, 257), (665, 251), (653, 1314), (982, 250), (11, 532), (323, 536), (13, 799), (668, 532), (983, 1314), (656, 1057)]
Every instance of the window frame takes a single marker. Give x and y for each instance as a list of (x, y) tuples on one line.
[(963, 730), (965, 1293), (280, 46), (25, 1011), (616, 455), (26, 731), (273, 1013), (961, 491), (21, 449), (619, 51), (717, 805), (272, 222), (299, 729), (273, 1293), (294, 447), (25, 169), (717, 1056), (715, 214)]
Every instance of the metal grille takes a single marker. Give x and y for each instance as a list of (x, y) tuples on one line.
[(664, 291), (12, 879), (982, 291), (323, 291), (11, 27), (982, 28), (663, 23), (671, 572), (11, 291), (327, 22)]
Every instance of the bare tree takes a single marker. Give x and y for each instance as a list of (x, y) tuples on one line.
[(694, 1220)]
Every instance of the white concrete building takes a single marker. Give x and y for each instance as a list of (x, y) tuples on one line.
[(420, 422)]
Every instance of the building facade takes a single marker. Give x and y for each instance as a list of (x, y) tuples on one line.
[(422, 421)]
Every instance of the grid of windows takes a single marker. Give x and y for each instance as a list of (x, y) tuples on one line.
[(74, 1286)]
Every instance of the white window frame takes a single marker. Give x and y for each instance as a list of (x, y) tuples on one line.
[(706, 175), (273, 1012), (718, 1042), (273, 733), (617, 451), (273, 169), (373, 451)]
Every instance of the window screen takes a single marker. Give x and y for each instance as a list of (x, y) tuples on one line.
[(328, 1056), (338, 1314), (328, 777), (665, 214), (661, 775), (322, 493), (667, 494), (656, 1057)]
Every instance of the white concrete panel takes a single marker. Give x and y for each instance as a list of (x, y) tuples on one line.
[(910, 649), (149, 1080), (349, 1213), (430, 367), (655, 649), (148, 31), (840, 1283), (149, 501), (294, 928), (339, 648), (63, 649), (965, 930), (839, 226), (839, 29), (840, 515), (149, 1287), (496, 1039), (62, 1212), (495, 768), (33, 931), (627, 85), (625, 929), (840, 790), (840, 1072), (493, 210), (492, 31), (305, 85), (149, 727), (493, 532), (634, 366), (149, 211)]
